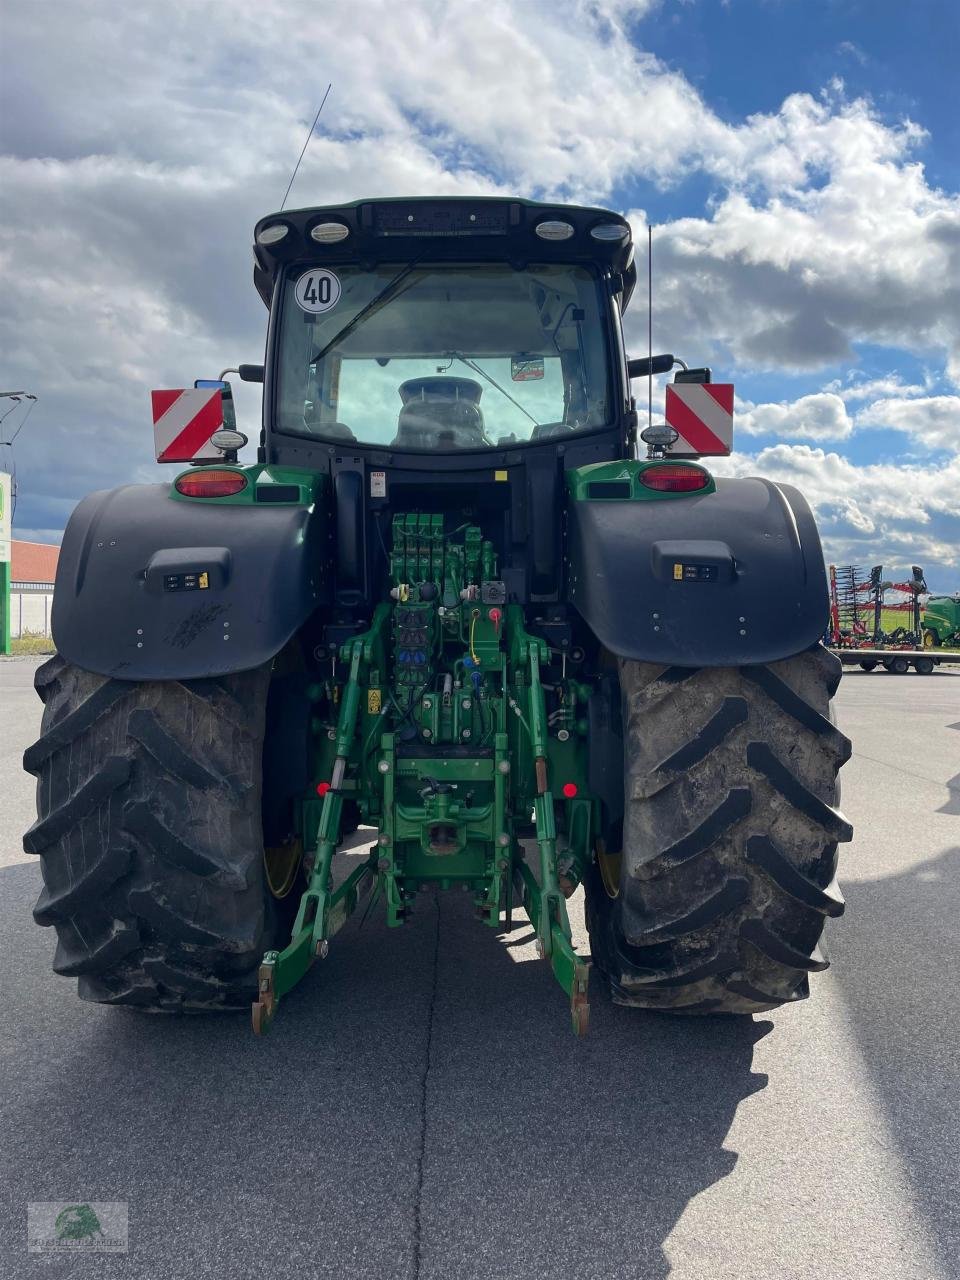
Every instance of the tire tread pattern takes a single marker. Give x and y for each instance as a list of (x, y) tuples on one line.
[(730, 836), (149, 835)]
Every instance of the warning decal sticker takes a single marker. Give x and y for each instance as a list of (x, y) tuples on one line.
[(702, 416), (184, 420), (695, 573)]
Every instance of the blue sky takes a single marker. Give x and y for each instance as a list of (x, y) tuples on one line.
[(902, 55), (798, 159), (902, 58)]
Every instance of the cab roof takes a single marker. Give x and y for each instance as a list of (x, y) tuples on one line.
[(442, 229)]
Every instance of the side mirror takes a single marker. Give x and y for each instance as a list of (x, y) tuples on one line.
[(250, 372), (226, 397), (645, 365)]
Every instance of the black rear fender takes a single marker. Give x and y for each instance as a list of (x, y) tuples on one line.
[(149, 588), (726, 578)]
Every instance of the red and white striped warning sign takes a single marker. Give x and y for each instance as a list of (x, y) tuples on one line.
[(183, 422), (702, 414)]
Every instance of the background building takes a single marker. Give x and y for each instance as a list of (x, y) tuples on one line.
[(32, 572)]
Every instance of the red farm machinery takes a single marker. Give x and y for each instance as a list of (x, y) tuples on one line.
[(878, 619)]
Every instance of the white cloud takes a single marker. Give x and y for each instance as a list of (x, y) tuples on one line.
[(907, 514), (821, 416), (549, 95), (931, 421), (875, 388), (852, 50), (620, 8), (829, 235)]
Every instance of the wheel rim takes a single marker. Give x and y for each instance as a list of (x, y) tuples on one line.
[(929, 640), (609, 866), (282, 865)]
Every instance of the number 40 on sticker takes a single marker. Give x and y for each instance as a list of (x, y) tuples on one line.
[(317, 290)]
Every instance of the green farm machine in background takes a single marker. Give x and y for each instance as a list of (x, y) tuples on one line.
[(451, 604), (941, 622)]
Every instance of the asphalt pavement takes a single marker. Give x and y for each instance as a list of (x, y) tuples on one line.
[(420, 1108)]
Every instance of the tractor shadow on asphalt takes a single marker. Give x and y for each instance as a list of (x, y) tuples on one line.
[(548, 1155), (896, 960), (952, 805), (420, 1106)]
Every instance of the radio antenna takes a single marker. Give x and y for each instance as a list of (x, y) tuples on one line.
[(305, 145), (650, 324)]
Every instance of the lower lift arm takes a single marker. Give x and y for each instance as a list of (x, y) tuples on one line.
[(544, 902), (323, 909)]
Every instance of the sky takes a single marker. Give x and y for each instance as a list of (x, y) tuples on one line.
[(799, 161)]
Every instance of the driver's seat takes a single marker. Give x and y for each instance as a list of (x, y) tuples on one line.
[(440, 413)]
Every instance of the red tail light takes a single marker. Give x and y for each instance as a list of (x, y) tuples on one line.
[(569, 790), (674, 479), (210, 484)]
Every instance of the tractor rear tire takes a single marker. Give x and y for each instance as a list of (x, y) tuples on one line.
[(150, 838), (730, 837)]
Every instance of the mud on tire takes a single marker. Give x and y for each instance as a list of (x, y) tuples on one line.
[(730, 836), (149, 836)]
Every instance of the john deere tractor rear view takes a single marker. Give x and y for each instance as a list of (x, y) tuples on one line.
[(450, 604)]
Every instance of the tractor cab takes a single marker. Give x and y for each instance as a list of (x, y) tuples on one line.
[(447, 357), (445, 326)]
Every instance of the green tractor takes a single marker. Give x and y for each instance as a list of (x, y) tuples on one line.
[(449, 603), (941, 622)]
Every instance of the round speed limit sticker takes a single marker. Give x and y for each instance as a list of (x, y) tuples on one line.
[(317, 290)]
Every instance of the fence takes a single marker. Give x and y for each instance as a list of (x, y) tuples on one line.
[(30, 605)]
